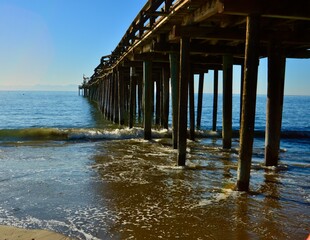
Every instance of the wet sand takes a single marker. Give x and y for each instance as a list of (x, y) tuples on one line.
[(12, 233)]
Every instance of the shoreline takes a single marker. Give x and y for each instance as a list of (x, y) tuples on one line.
[(13, 233)]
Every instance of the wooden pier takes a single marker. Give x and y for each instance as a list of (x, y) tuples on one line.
[(171, 40)]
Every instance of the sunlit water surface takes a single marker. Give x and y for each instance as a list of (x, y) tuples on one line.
[(84, 178)]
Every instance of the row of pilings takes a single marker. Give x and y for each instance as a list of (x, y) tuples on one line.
[(138, 92), (171, 40)]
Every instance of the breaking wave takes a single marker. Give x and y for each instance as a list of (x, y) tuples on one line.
[(57, 134)]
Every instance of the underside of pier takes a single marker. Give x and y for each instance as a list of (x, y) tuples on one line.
[(170, 41)]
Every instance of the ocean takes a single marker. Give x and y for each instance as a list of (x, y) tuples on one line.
[(66, 169)]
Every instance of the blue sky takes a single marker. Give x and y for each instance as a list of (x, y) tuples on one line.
[(50, 44)]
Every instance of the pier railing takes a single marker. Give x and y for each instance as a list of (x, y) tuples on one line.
[(150, 15)]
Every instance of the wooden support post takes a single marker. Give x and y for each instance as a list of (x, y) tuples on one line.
[(120, 77), (158, 99), (276, 76), (103, 96), (132, 97), (165, 112), (241, 91), (200, 96), (112, 98), (127, 96), (185, 72), (106, 105), (174, 75), (215, 97), (116, 105), (249, 102), (227, 101), (109, 97), (90, 91), (100, 90), (191, 107), (98, 87), (161, 97), (139, 100), (148, 88), (152, 96)]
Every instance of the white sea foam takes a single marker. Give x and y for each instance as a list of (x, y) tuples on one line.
[(280, 167), (217, 197), (119, 133), (166, 168), (79, 222)]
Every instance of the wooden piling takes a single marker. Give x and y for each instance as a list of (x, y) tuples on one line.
[(109, 98), (227, 101), (139, 100), (215, 28), (127, 95), (200, 96), (161, 98), (101, 100), (191, 107), (215, 97), (158, 99), (132, 97), (120, 77), (249, 102), (165, 108), (106, 103), (116, 105), (148, 88), (241, 91), (276, 76), (183, 91), (174, 75)]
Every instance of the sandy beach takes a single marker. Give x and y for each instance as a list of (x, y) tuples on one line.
[(13, 233)]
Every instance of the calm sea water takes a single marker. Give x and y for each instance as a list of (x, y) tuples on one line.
[(64, 168)]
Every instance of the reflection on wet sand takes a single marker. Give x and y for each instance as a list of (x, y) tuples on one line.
[(153, 199)]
